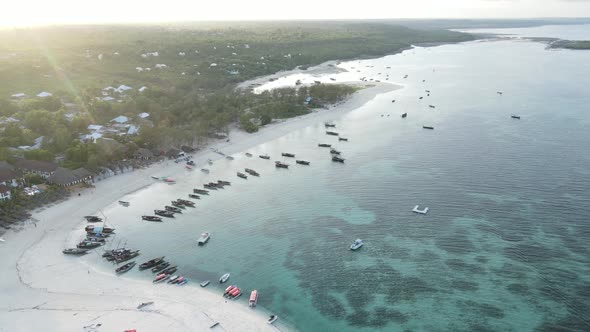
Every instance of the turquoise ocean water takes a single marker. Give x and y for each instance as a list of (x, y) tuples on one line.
[(503, 248)]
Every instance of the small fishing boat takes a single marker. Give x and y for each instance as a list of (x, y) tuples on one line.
[(421, 98), (75, 251), (337, 159), (334, 151), (173, 279), (279, 164), (416, 209), (302, 162), (205, 283), (272, 319), (210, 162), (253, 299), (290, 155), (224, 278), (346, 139), (428, 127), (186, 202), (182, 282), (324, 145), (204, 170), (123, 257), (155, 177), (172, 209), (125, 268), (499, 92), (229, 157), (329, 125), (151, 218), (333, 133), (210, 186), (201, 191), (251, 172), (357, 244), (517, 117), (224, 183), (191, 163), (92, 219), (194, 196), (393, 101), (144, 304), (124, 203), (204, 238), (89, 245), (188, 166), (248, 154), (177, 204), (164, 213), (151, 263), (242, 175), (431, 106), (160, 267), (404, 115), (170, 270), (91, 238), (264, 156), (160, 278)]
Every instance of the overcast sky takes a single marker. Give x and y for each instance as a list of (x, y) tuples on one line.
[(33, 12)]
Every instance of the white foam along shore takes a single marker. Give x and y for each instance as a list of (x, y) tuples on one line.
[(44, 290)]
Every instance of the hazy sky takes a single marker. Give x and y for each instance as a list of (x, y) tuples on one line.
[(32, 12)]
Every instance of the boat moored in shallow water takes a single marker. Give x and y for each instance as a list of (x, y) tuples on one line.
[(517, 117), (204, 238), (75, 251), (417, 210), (242, 175), (357, 244), (253, 299), (151, 218), (279, 164), (324, 145), (272, 319), (302, 162), (205, 283), (337, 159), (224, 278), (264, 156), (125, 268), (290, 155)]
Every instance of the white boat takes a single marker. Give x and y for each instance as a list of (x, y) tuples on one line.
[(205, 283), (253, 299), (357, 244), (204, 238), (417, 210), (224, 278), (272, 319)]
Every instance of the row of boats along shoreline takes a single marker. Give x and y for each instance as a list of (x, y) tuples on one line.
[(165, 271)]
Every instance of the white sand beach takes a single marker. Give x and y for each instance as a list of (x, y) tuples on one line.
[(43, 290)]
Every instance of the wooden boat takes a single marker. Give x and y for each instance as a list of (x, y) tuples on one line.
[(204, 170), (92, 229), (225, 183), (404, 115), (182, 282), (279, 164), (229, 158), (333, 133), (205, 283), (151, 218), (91, 238), (302, 162), (324, 145), (89, 245), (92, 219), (251, 172), (421, 98), (172, 209), (160, 267), (248, 154), (253, 299), (125, 268), (177, 204), (290, 155), (428, 127), (144, 304), (342, 139), (151, 263), (186, 202), (224, 278), (126, 256), (173, 279), (337, 159), (499, 92), (517, 117), (242, 175), (155, 177), (201, 191), (75, 251), (124, 203), (170, 270), (431, 106), (210, 186), (264, 156), (204, 238), (329, 125), (272, 319), (334, 151), (160, 278), (164, 213)]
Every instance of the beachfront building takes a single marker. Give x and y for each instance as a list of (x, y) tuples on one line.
[(43, 168), (5, 193), (66, 177)]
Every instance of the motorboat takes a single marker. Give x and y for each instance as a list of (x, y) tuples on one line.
[(329, 125), (201, 191), (124, 203), (253, 299), (205, 283), (242, 175), (324, 145), (92, 219), (302, 162), (357, 244), (229, 157), (169, 270), (160, 277), (89, 245), (144, 304), (342, 139), (290, 155), (164, 213), (151, 263), (160, 267), (333, 133), (428, 127), (75, 251), (224, 183), (337, 159), (151, 218), (155, 177), (334, 151), (173, 209), (279, 164), (186, 202), (173, 279), (125, 268), (251, 172), (264, 156), (224, 278), (404, 115), (272, 319), (248, 154), (517, 117), (204, 170), (431, 106), (182, 282), (204, 238), (416, 209)]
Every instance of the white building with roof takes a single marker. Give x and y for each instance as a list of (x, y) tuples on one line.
[(120, 119), (44, 94), (143, 115)]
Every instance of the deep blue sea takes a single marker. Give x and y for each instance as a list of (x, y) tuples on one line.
[(504, 247)]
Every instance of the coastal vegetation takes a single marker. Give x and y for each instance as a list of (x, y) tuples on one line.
[(571, 44)]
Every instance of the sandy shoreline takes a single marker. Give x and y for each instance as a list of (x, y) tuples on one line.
[(44, 290)]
